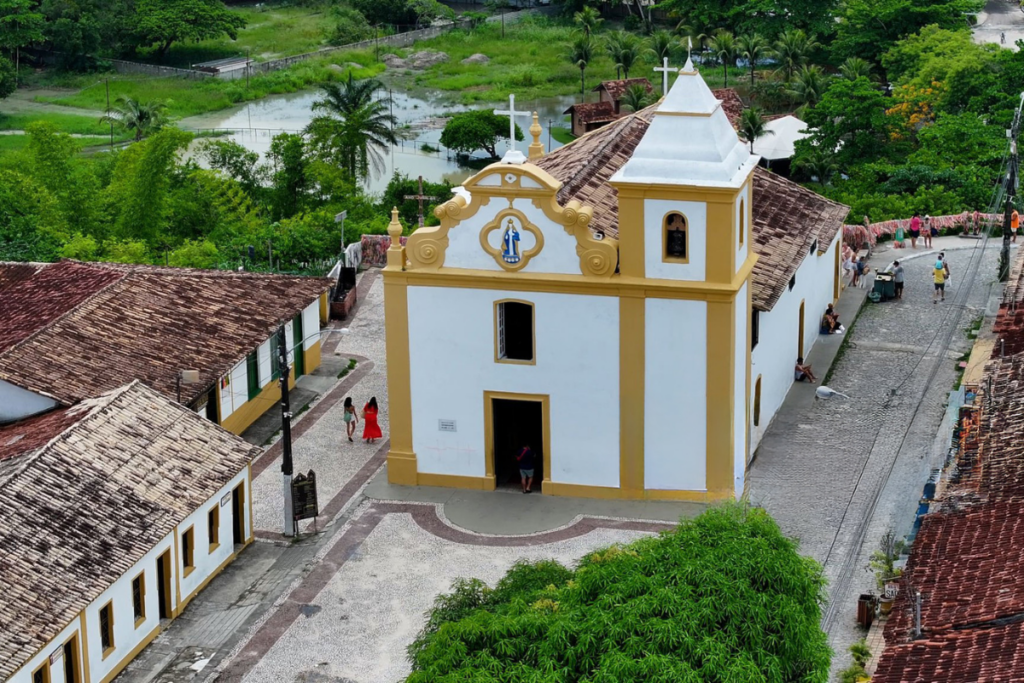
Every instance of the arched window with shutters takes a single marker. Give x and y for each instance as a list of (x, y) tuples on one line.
[(676, 238)]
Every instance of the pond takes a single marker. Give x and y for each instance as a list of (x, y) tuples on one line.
[(420, 120)]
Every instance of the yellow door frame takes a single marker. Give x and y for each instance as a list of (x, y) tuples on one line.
[(545, 410)]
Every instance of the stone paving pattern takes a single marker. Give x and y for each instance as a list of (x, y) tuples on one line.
[(818, 467)]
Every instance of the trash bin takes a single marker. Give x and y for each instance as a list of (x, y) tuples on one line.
[(885, 286), (865, 609)]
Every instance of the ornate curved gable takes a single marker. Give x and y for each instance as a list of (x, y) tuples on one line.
[(507, 219)]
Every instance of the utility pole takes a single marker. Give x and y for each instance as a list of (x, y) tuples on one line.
[(1011, 191), (286, 432), (247, 69), (550, 121)]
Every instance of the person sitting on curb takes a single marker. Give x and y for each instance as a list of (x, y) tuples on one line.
[(830, 322), (803, 372)]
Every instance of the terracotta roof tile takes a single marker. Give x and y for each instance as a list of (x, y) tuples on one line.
[(87, 506), (593, 112), (787, 217), (993, 655), (33, 296), (616, 89), (150, 323), (31, 434)]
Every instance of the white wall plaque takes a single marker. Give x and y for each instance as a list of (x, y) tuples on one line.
[(446, 426), (225, 500)]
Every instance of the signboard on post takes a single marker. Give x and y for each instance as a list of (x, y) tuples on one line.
[(304, 502)]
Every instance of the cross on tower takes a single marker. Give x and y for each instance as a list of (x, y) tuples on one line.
[(513, 153), (664, 69), (419, 198)]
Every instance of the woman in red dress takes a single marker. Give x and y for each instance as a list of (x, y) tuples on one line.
[(371, 430)]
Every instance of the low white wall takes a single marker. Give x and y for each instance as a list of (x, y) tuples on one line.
[(776, 353), (675, 395), (451, 349), (17, 403)]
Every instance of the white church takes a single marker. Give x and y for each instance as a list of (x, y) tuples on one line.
[(630, 306)]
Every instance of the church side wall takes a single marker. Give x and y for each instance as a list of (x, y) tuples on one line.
[(775, 355), (675, 395), (452, 349)]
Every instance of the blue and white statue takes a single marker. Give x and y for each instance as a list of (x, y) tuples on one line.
[(510, 240)]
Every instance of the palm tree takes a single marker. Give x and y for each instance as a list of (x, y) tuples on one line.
[(581, 53), (807, 87), (588, 20), (662, 45), (699, 39), (356, 128), (753, 126), (818, 165), (854, 68), (723, 47), (625, 50), (133, 116), (753, 48), (791, 51), (636, 97)]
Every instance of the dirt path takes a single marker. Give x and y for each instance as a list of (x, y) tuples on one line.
[(22, 101)]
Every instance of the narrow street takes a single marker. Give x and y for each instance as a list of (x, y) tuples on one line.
[(998, 18)]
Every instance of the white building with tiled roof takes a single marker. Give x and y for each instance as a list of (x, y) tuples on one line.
[(117, 511), (630, 306)]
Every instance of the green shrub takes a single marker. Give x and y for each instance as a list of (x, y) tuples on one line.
[(350, 26)]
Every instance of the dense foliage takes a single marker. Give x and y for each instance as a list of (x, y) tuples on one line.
[(723, 597), (478, 129)]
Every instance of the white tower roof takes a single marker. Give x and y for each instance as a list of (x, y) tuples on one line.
[(690, 141)]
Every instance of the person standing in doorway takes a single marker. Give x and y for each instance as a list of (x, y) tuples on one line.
[(939, 278), (350, 417), (915, 230), (1014, 224), (525, 460), (371, 430)]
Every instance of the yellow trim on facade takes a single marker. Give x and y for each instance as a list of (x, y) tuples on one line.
[(455, 481), (533, 330), (250, 411), (496, 224), (401, 457), (45, 668), (721, 400), (325, 314), (76, 649), (545, 413), (632, 387), (632, 255), (177, 575), (84, 644), (311, 357), (127, 659)]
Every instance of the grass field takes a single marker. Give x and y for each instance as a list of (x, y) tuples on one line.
[(188, 98), (67, 123), (15, 143), (274, 30)]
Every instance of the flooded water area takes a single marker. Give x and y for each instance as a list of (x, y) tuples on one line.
[(421, 119)]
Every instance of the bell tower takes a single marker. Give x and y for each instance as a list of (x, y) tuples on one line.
[(684, 230)]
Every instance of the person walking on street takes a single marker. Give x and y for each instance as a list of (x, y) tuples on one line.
[(350, 417), (525, 460), (928, 231), (371, 430), (939, 278), (915, 230), (897, 277), (945, 269), (1014, 224)]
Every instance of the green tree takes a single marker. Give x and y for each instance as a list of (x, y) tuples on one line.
[(588, 21), (54, 163), (792, 50), (394, 12), (290, 184), (81, 248), (868, 28), (74, 31), (625, 50), (753, 126), (662, 45), (818, 164), (723, 48), (429, 11), (753, 48), (854, 68), (581, 53), (8, 78), (20, 25), (142, 119), (350, 26), (236, 162), (807, 87), (195, 254), (165, 22), (722, 597), (32, 227), (637, 97), (126, 251), (355, 128), (850, 122), (402, 186), (478, 129)]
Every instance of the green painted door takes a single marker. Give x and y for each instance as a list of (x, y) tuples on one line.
[(297, 337)]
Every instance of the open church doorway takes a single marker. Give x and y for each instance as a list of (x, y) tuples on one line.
[(516, 421)]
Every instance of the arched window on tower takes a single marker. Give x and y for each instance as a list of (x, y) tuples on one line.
[(676, 238)]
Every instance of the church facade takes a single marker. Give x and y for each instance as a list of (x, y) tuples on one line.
[(613, 339)]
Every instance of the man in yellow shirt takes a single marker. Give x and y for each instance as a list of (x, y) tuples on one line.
[(939, 275)]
